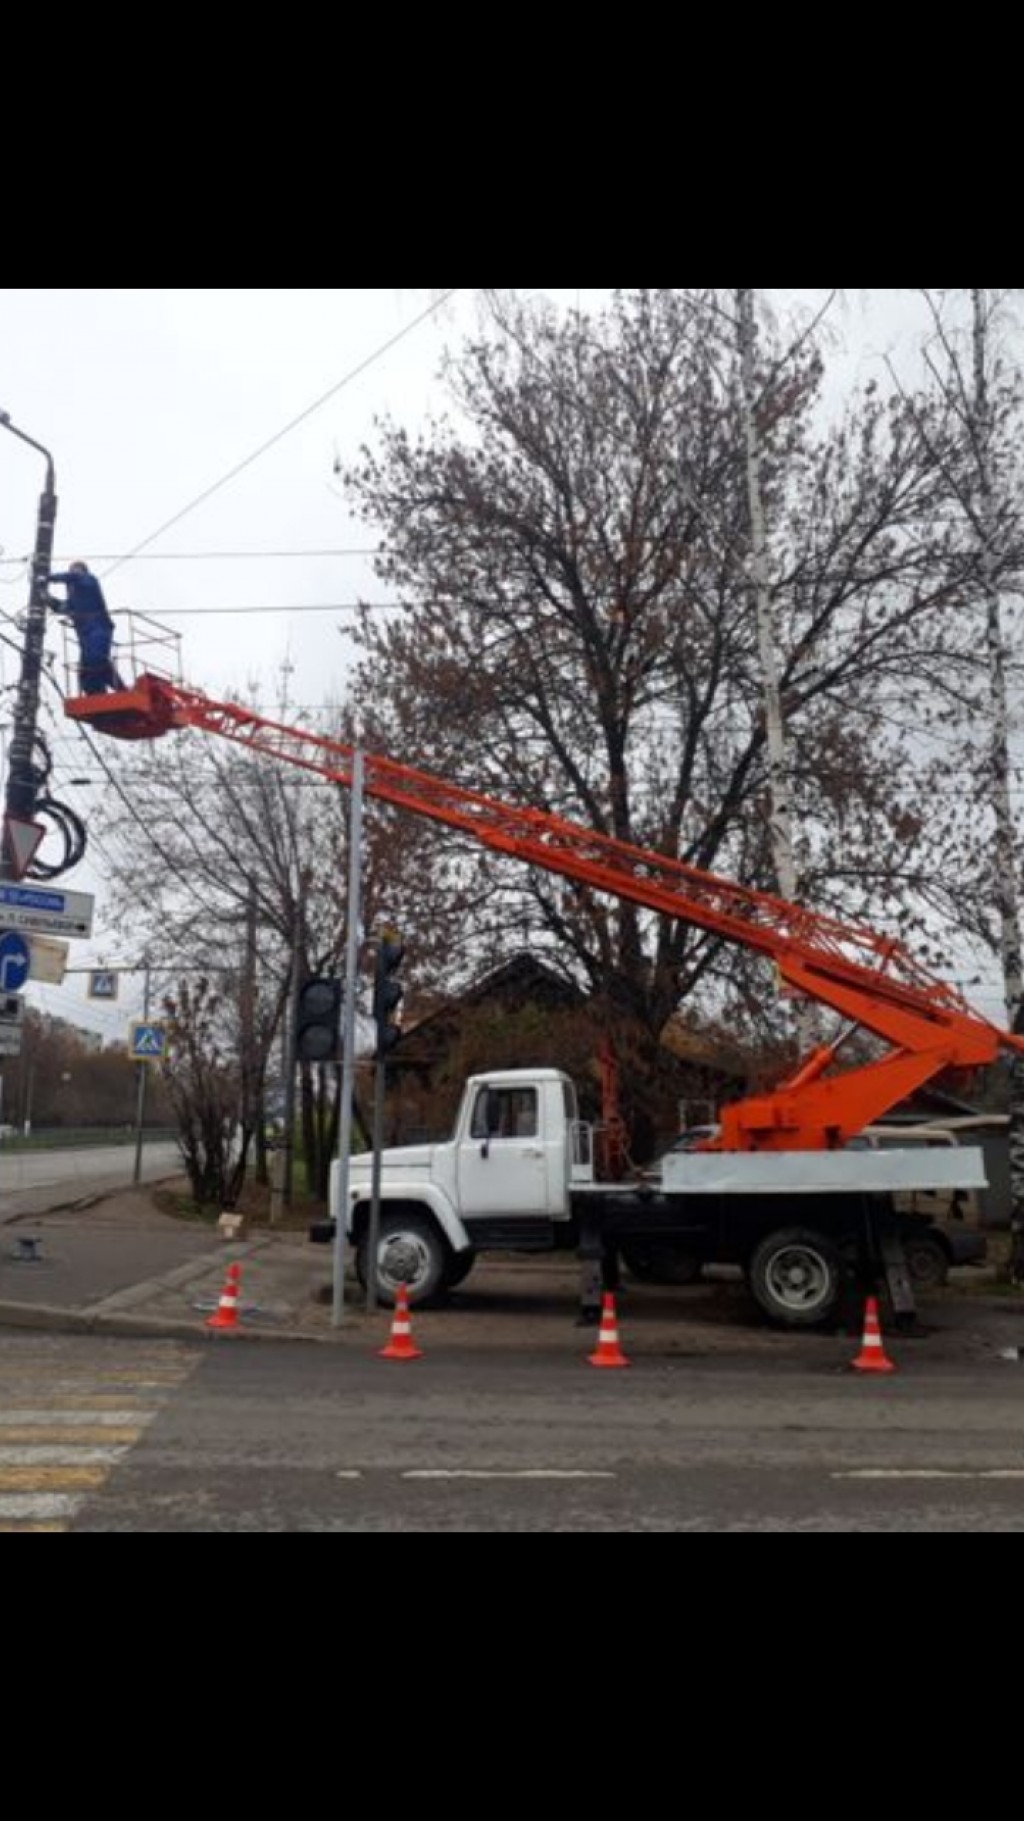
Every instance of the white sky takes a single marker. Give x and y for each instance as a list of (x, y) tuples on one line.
[(146, 398)]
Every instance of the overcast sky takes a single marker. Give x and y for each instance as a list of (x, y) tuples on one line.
[(146, 399)]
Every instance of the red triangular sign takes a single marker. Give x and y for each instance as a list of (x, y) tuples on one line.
[(21, 842)]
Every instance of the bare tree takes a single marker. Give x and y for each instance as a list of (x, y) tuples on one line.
[(579, 631)]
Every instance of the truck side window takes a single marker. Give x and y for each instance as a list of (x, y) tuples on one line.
[(517, 1113), (525, 1113)]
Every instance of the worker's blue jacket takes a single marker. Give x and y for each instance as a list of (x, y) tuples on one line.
[(86, 607)]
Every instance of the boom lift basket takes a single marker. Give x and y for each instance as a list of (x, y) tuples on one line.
[(143, 648)]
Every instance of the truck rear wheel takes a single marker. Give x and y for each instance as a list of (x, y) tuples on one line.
[(411, 1252), (795, 1276)]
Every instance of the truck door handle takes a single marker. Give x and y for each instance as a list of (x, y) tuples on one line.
[(533, 1153)]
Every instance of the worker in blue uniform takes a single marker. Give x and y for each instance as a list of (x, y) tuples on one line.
[(87, 610)]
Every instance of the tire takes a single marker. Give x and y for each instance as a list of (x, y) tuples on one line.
[(926, 1260), (660, 1261), (795, 1277), (411, 1252)]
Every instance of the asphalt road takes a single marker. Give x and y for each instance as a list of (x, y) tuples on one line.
[(103, 1434), (31, 1181)]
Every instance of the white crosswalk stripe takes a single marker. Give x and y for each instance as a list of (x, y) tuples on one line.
[(73, 1407)]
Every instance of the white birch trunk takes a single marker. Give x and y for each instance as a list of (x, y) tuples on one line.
[(1007, 895), (779, 809)]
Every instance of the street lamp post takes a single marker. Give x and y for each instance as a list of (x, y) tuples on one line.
[(22, 781)]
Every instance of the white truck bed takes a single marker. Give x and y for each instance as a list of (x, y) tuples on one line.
[(823, 1172)]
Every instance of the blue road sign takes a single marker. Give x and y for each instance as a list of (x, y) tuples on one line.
[(102, 985), (15, 961), (149, 1042)]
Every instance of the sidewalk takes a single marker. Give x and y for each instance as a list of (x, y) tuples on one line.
[(116, 1264)]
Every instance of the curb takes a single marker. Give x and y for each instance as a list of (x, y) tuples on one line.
[(95, 1321)]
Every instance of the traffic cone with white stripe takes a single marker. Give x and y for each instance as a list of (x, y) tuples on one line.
[(400, 1346), (872, 1356), (609, 1353), (227, 1309)]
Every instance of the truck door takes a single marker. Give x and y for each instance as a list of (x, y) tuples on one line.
[(502, 1168)]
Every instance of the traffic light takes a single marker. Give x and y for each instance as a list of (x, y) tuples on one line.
[(318, 1026), (387, 992)]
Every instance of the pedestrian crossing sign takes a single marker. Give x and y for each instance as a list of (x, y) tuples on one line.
[(148, 1042)]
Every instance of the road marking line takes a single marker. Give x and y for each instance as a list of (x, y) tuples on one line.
[(118, 1418), (9, 1529), (82, 1435), (55, 1479), (348, 1476), (39, 1505), (68, 1456), (931, 1473), (522, 1473)]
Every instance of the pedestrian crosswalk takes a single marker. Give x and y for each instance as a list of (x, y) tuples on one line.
[(71, 1407)]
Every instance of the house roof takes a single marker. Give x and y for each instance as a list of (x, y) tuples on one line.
[(522, 973)]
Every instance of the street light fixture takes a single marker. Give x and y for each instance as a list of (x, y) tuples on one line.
[(22, 779)]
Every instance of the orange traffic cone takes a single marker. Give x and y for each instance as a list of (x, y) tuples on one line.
[(872, 1356), (609, 1353), (400, 1346), (227, 1308)]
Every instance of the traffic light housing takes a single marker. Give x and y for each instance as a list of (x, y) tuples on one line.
[(387, 992), (318, 1025)]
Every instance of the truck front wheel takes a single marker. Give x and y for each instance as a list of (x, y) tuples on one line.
[(411, 1252), (795, 1276)]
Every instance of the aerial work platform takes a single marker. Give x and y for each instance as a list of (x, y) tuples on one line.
[(140, 712), (150, 655)]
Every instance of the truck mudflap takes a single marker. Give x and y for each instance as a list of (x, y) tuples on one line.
[(895, 1271)]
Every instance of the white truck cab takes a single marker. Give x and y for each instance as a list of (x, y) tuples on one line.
[(504, 1178)]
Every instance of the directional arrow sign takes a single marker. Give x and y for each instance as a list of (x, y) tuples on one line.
[(15, 961), (21, 840), (44, 908), (148, 1042)]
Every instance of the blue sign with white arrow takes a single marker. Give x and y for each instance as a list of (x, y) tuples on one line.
[(15, 961)]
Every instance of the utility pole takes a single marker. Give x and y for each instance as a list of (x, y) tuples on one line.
[(348, 1037), (22, 781), (289, 1041), (387, 996), (143, 1068)]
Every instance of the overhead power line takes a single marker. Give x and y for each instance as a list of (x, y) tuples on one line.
[(177, 613), (291, 425), (193, 556)]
